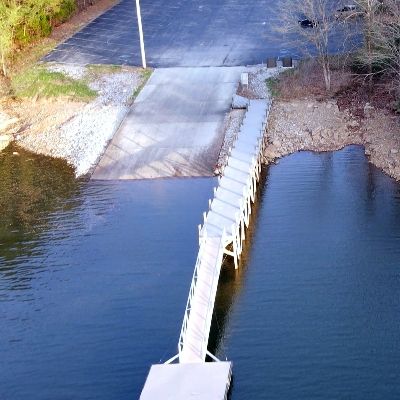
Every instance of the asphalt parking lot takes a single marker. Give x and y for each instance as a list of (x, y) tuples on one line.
[(185, 33)]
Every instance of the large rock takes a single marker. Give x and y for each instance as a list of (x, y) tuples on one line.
[(239, 102), (368, 110), (4, 141), (6, 122), (271, 152)]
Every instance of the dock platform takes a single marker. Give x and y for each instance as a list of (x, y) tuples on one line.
[(199, 381)]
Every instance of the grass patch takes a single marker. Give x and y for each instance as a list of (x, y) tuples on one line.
[(31, 54), (273, 86), (100, 69), (145, 73), (274, 82), (39, 82)]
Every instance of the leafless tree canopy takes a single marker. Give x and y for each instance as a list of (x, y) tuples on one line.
[(320, 16), (386, 39), (377, 21)]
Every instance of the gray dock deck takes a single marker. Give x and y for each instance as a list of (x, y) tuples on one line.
[(200, 381)]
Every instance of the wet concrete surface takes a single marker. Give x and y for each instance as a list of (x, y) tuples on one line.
[(174, 127)]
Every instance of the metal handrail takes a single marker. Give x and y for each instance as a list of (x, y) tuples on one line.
[(203, 240), (211, 298), (191, 292)]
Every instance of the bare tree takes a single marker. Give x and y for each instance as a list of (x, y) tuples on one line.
[(381, 33), (386, 40), (309, 24), (368, 9)]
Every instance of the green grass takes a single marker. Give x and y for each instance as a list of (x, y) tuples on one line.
[(100, 69), (31, 54), (39, 82), (272, 85), (146, 73)]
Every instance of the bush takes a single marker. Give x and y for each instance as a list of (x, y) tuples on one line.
[(39, 17), (67, 8), (23, 21), (361, 66)]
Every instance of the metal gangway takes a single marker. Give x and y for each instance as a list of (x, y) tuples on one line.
[(222, 233)]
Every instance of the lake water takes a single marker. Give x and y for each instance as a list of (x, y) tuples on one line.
[(94, 279)]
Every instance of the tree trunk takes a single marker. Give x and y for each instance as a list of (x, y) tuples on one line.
[(327, 74), (3, 62)]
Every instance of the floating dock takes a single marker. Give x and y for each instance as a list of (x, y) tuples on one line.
[(209, 381), (187, 375)]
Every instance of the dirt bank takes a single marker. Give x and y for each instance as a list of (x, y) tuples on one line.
[(77, 132), (320, 126)]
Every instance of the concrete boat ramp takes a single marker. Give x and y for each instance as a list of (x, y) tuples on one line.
[(174, 127)]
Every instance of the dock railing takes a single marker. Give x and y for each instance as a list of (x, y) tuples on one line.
[(211, 298)]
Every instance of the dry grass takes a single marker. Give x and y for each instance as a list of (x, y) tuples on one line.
[(306, 81), (351, 91)]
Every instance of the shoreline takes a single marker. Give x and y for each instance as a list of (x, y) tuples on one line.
[(77, 132), (309, 125), (293, 125)]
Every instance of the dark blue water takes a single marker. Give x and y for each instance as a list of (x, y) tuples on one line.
[(94, 279), (316, 311)]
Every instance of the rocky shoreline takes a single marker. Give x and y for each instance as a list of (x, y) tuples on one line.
[(257, 89), (320, 126), (317, 125), (79, 132)]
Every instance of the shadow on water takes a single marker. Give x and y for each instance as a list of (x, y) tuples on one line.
[(340, 181), (31, 188), (232, 280), (312, 312)]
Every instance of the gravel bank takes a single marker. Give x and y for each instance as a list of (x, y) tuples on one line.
[(312, 125), (232, 123), (321, 126), (82, 139), (257, 89)]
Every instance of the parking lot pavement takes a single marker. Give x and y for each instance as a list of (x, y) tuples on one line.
[(178, 33)]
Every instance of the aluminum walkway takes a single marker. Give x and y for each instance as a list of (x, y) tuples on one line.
[(222, 233)]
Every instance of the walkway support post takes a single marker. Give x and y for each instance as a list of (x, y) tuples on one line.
[(139, 18)]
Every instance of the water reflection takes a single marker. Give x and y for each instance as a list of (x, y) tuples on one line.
[(31, 185), (96, 291), (31, 188), (103, 295), (316, 315), (232, 280)]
